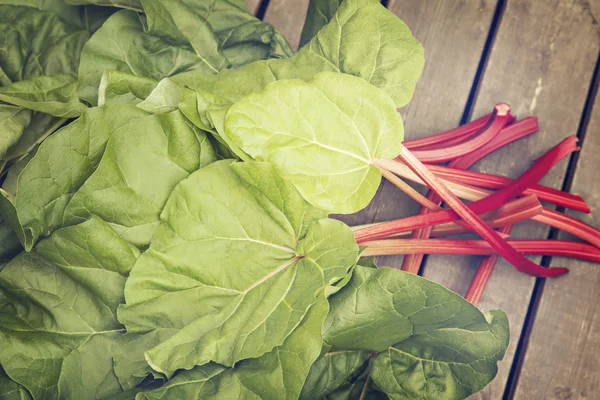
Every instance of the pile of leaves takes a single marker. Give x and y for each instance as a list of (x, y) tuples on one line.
[(169, 238)]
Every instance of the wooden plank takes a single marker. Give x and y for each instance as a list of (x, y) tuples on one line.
[(453, 33), (287, 16), (252, 6), (562, 359), (541, 64)]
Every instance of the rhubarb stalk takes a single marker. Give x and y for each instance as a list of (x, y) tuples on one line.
[(560, 248), (496, 121), (499, 119)]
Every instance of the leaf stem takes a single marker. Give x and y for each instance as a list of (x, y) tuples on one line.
[(469, 213), (490, 181), (562, 248), (499, 119), (460, 133)]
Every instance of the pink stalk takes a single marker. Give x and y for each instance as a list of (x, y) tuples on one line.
[(549, 217), (569, 224), (539, 168), (514, 132), (560, 248), (489, 181), (500, 118), (509, 134), (515, 211), (412, 263), (482, 274), (469, 216), (461, 133)]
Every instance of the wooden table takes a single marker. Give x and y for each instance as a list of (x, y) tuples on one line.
[(541, 57)]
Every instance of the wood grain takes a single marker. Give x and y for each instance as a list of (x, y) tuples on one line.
[(562, 360), (287, 16), (252, 6), (541, 63), (453, 33)]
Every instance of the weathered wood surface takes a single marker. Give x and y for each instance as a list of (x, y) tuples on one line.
[(541, 63), (287, 16), (562, 360), (252, 6)]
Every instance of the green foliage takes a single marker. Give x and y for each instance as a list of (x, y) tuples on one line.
[(140, 260)]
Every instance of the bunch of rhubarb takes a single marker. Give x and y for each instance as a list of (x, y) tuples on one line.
[(442, 162)]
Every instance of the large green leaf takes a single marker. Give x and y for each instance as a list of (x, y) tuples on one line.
[(52, 94), (36, 43), (11, 390), (277, 375), (319, 13), (39, 55), (58, 306), (118, 87), (431, 343), (322, 136), (13, 121), (9, 242), (40, 126), (394, 65), (332, 371), (189, 35), (247, 255), (130, 4), (83, 171), (137, 54)]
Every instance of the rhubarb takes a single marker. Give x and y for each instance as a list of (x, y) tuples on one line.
[(461, 133), (490, 181), (560, 248), (500, 118)]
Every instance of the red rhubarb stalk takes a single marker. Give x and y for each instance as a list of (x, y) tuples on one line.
[(514, 132), (539, 168), (517, 210), (548, 216), (569, 224), (500, 118), (412, 263), (482, 274), (461, 133), (559, 248), (488, 234), (489, 181)]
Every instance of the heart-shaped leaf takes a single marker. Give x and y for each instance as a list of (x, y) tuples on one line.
[(247, 255), (322, 136)]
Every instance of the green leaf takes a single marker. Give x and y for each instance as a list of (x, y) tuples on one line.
[(164, 98), (130, 4), (58, 306), (9, 242), (11, 390), (322, 136), (432, 343), (126, 180), (13, 121), (52, 94), (123, 88), (246, 253), (393, 61), (333, 370), (36, 43), (136, 54), (276, 375), (39, 128), (39, 54), (319, 13), (192, 35), (394, 65)]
